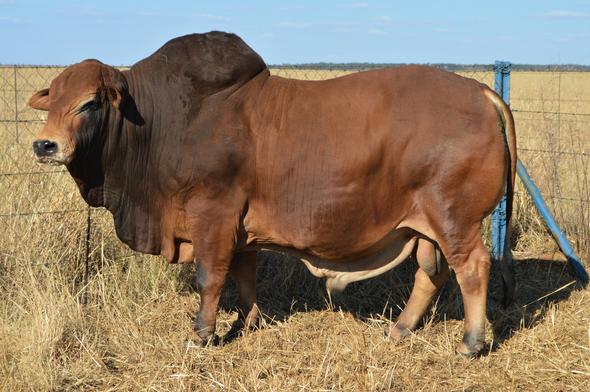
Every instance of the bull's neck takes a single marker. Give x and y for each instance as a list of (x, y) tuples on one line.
[(129, 138), (143, 156), (128, 168)]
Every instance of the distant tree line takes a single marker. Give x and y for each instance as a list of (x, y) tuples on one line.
[(446, 66)]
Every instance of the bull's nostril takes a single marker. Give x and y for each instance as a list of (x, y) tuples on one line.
[(44, 147), (49, 146)]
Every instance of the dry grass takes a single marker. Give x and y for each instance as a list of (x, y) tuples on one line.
[(134, 333)]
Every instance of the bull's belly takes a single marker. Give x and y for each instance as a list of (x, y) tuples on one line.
[(395, 248), (382, 256)]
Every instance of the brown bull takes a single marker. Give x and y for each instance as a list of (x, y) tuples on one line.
[(201, 155)]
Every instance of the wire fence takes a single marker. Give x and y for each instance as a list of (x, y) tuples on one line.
[(551, 108)]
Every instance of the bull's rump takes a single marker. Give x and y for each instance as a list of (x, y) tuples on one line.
[(341, 163)]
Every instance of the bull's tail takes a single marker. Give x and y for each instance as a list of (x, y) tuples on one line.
[(506, 263)]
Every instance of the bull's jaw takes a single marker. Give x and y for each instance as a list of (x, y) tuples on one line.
[(49, 161)]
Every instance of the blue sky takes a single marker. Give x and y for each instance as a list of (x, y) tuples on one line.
[(123, 32)]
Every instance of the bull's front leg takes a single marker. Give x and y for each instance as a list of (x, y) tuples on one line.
[(211, 274), (214, 226), (243, 273)]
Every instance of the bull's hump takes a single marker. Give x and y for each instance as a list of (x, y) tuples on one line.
[(210, 58)]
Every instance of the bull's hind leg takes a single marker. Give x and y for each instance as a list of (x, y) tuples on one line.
[(473, 270), (430, 277), (243, 274), (470, 260)]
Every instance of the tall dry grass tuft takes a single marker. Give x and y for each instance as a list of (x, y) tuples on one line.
[(134, 331)]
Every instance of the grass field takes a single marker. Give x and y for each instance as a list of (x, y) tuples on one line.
[(135, 332)]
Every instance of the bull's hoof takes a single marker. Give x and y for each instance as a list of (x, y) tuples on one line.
[(470, 350), (206, 333), (210, 341), (397, 332), (238, 327)]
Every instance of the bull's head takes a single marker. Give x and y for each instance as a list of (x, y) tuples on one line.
[(78, 101)]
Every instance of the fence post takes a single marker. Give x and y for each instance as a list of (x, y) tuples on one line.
[(86, 257), (15, 105), (502, 87)]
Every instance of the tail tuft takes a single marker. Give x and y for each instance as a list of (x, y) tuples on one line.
[(508, 280)]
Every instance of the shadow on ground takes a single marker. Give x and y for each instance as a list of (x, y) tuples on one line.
[(541, 282), (285, 287)]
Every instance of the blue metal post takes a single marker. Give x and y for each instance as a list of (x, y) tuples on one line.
[(502, 87), (558, 235)]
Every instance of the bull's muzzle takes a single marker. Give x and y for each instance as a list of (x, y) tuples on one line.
[(44, 148)]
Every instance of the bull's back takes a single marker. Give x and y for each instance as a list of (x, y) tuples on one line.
[(340, 163)]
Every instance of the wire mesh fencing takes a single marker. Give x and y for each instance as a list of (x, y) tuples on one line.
[(40, 205), (552, 113)]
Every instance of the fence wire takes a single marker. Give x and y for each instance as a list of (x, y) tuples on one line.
[(550, 109)]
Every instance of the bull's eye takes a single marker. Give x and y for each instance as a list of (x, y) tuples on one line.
[(90, 106)]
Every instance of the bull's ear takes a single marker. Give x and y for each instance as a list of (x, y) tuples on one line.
[(115, 95), (40, 100), (118, 95)]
